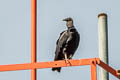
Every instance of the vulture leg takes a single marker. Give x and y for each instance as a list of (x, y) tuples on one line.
[(70, 57), (65, 56), (66, 59)]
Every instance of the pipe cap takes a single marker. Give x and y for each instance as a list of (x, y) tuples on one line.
[(102, 14)]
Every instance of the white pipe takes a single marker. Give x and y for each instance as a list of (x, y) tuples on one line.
[(103, 44)]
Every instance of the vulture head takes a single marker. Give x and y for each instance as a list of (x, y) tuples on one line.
[(69, 22)]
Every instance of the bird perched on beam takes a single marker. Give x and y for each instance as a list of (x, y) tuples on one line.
[(67, 43)]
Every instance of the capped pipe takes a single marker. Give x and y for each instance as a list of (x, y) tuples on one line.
[(103, 44)]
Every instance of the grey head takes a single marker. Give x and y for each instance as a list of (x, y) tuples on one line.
[(69, 22)]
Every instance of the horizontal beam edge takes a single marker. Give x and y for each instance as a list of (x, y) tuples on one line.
[(50, 64)]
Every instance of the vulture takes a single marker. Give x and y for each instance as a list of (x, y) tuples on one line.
[(67, 43)]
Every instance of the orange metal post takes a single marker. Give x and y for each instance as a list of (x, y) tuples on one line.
[(33, 37), (93, 70)]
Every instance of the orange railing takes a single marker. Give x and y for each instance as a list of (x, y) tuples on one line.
[(62, 63)]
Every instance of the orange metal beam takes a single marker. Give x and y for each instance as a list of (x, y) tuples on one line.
[(118, 73), (62, 63), (39, 65), (108, 68), (33, 36)]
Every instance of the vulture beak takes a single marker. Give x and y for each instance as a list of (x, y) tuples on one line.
[(64, 19)]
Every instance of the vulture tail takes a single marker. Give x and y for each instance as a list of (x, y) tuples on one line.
[(56, 69)]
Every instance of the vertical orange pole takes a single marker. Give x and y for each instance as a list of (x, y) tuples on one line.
[(93, 71), (33, 37)]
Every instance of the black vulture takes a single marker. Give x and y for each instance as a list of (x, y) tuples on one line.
[(67, 43)]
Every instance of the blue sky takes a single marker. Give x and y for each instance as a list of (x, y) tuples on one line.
[(15, 18)]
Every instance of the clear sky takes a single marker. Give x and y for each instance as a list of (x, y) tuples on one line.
[(15, 23)]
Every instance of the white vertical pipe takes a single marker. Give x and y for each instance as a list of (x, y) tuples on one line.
[(103, 44)]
